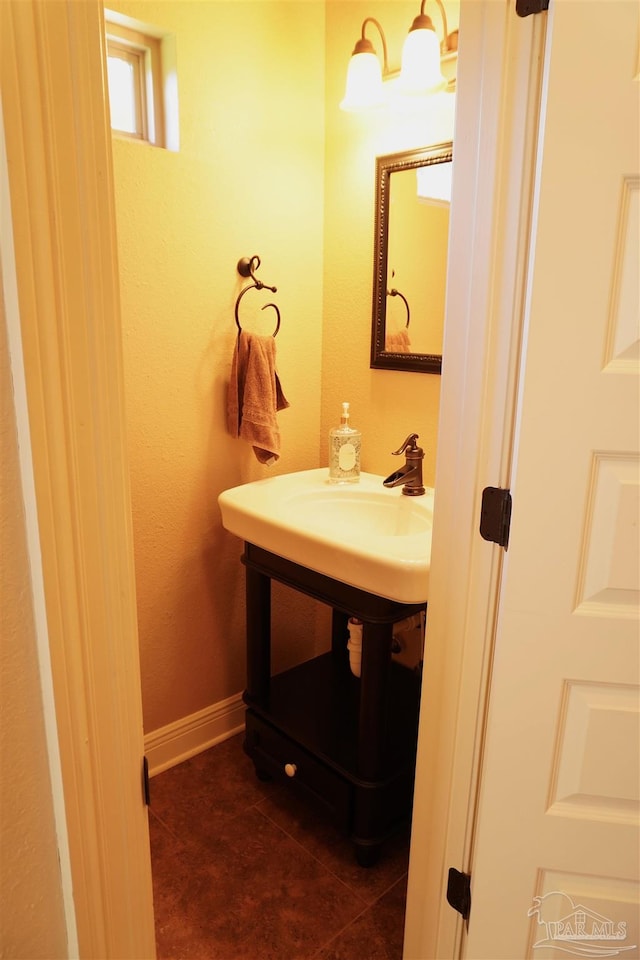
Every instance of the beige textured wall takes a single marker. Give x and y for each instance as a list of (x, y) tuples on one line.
[(32, 920), (248, 179), (267, 164), (418, 254), (386, 405)]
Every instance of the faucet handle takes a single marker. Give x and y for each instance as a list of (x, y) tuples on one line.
[(414, 451)]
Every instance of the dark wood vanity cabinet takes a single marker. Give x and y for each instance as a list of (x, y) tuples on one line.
[(347, 742)]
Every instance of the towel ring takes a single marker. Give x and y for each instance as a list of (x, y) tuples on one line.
[(246, 268), (396, 293), (274, 305)]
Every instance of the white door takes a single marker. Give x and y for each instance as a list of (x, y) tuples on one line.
[(556, 852)]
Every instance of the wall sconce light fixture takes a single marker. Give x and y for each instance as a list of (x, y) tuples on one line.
[(420, 71), (434, 183)]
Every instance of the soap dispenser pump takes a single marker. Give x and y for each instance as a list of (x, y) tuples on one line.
[(344, 451)]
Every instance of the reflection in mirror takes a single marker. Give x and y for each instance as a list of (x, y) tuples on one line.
[(413, 191)]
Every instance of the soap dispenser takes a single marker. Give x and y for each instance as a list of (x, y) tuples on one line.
[(344, 451)]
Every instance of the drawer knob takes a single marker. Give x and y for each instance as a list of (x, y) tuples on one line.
[(290, 769)]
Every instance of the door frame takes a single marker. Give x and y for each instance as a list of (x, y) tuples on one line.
[(499, 88), (60, 173), (58, 144)]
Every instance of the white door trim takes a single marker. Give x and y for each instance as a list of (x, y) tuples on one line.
[(60, 179), (14, 340), (498, 91)]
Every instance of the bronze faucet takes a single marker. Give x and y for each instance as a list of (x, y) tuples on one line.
[(411, 474)]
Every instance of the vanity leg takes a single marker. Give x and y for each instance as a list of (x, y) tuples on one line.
[(367, 854), (372, 725), (339, 635), (372, 728), (258, 589)]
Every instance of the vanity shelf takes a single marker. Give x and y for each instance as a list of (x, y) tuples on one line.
[(347, 742)]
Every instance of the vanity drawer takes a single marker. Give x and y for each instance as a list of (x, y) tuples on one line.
[(282, 758)]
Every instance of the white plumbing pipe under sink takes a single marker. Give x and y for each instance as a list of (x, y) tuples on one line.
[(354, 645), (408, 636)]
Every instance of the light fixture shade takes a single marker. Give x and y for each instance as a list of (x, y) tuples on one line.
[(420, 72), (364, 83), (434, 183)]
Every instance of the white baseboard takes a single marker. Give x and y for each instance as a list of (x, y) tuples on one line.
[(183, 738)]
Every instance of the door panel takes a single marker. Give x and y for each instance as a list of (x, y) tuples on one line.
[(556, 854)]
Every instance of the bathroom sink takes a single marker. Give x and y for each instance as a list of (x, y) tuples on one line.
[(362, 533)]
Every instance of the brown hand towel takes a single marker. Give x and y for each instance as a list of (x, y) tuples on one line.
[(255, 395), (397, 342)]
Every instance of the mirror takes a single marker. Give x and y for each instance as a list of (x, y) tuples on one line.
[(413, 191)]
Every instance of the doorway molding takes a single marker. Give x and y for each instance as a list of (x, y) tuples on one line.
[(61, 186), (498, 105)]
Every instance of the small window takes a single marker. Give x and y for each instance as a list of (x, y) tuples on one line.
[(127, 90), (137, 78)]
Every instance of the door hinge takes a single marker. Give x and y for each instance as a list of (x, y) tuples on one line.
[(495, 515), (146, 792), (524, 8), (459, 892)]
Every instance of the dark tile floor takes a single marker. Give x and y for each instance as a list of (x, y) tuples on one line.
[(244, 871)]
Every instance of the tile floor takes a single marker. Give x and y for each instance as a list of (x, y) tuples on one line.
[(244, 871)]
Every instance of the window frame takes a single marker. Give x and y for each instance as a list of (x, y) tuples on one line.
[(144, 52)]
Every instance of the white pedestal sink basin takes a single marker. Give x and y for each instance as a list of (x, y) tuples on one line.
[(363, 534)]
